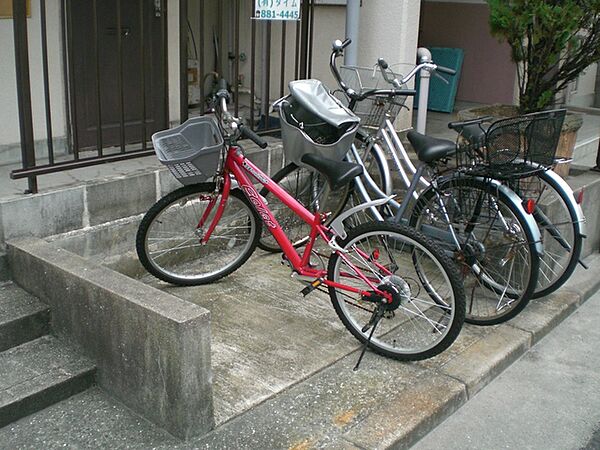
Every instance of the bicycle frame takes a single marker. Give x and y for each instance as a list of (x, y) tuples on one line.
[(241, 168)]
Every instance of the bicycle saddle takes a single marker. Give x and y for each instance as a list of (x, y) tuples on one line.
[(338, 173), (430, 149)]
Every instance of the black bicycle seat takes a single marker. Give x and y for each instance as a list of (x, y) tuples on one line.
[(338, 173), (430, 149)]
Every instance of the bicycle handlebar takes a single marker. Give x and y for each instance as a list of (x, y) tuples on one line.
[(228, 121), (337, 48), (248, 133)]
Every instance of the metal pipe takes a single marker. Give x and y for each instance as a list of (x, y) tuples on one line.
[(282, 70), (98, 89), (236, 57), (305, 25), (143, 73), (120, 77), (423, 56), (183, 51), (46, 81), (311, 38), (24, 90), (252, 73), (266, 70), (84, 162), (72, 80), (201, 53), (352, 32)]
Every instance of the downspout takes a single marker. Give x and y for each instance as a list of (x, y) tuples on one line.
[(352, 29)]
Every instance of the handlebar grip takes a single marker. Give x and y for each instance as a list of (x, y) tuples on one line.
[(248, 133), (407, 92), (338, 45), (382, 63), (446, 70), (460, 124), (222, 91)]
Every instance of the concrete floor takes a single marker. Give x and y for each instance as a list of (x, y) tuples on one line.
[(546, 400)]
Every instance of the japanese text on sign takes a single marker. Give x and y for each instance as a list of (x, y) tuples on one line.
[(277, 9)]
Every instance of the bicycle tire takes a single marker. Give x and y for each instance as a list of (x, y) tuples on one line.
[(557, 218), (167, 240), (418, 328), (500, 238), (312, 190)]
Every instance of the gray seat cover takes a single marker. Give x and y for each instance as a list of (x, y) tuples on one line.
[(315, 97)]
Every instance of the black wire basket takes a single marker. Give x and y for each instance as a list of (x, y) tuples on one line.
[(515, 147)]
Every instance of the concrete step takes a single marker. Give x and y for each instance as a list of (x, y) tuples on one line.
[(22, 317), (40, 373), (90, 419)]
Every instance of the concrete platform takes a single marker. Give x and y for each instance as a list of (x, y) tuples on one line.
[(385, 404)]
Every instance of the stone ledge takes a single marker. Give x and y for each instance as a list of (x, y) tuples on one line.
[(151, 348)]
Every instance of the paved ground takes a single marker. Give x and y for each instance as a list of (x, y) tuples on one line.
[(549, 399)]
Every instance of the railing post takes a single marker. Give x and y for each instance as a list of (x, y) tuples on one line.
[(24, 90), (183, 60), (304, 36)]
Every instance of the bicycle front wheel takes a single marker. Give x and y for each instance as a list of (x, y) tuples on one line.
[(168, 240), (495, 251), (428, 305)]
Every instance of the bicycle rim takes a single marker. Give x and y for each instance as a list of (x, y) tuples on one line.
[(555, 214), (423, 324), (169, 238), (496, 255)]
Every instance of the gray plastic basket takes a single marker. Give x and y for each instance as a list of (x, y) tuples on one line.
[(191, 151)]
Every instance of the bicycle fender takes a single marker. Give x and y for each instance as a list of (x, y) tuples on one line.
[(571, 196), (516, 201), (337, 225)]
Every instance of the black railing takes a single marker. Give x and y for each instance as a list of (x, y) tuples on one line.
[(129, 137)]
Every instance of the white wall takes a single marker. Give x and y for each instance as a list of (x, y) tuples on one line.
[(389, 29), (9, 119), (173, 59), (585, 95)]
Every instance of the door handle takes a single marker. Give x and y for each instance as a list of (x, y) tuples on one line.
[(157, 8), (112, 31)]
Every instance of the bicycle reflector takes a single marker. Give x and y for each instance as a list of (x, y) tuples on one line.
[(529, 205), (579, 197)]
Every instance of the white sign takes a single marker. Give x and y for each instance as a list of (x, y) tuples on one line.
[(277, 9)]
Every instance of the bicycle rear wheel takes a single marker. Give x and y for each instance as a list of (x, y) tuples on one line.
[(556, 216), (168, 238), (312, 190), (496, 253), (428, 307)]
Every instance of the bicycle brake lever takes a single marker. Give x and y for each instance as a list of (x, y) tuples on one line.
[(441, 77)]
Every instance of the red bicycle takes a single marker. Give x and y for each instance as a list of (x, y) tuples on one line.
[(393, 289)]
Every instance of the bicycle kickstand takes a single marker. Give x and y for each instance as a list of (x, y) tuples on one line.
[(372, 324)]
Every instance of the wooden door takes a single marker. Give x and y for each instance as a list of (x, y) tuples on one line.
[(111, 88)]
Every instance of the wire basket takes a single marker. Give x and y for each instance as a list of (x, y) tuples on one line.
[(372, 110), (514, 147), (191, 151)]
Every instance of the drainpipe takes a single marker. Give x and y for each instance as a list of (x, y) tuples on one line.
[(423, 55), (352, 26)]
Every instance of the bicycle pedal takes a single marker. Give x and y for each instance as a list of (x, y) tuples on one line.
[(311, 287)]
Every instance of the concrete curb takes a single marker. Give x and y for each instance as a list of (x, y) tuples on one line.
[(152, 349)]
